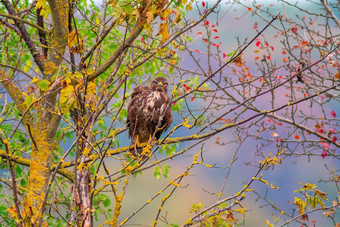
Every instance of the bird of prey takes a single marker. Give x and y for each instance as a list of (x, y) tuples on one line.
[(149, 112)]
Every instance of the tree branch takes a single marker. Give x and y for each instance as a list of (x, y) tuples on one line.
[(16, 18), (29, 42), (103, 67), (330, 12)]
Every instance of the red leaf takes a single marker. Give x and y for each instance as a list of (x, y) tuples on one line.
[(224, 55), (256, 58), (212, 26), (271, 47), (268, 57), (255, 25), (206, 40), (258, 43), (203, 4), (320, 130), (197, 51), (324, 154), (218, 138), (206, 23), (214, 44), (303, 43), (334, 139), (215, 30), (249, 8), (325, 145), (333, 113), (284, 59), (192, 99), (284, 52), (216, 37), (296, 137), (294, 29), (199, 33)]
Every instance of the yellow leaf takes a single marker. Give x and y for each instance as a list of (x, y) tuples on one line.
[(86, 151), (149, 17), (80, 166), (301, 205), (188, 7), (163, 30), (321, 194), (166, 13), (72, 39), (49, 67), (12, 211)]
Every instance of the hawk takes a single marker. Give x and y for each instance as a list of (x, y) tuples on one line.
[(149, 111)]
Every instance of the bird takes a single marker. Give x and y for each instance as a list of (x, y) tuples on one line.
[(149, 112)]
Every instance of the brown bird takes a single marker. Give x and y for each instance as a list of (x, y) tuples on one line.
[(149, 112)]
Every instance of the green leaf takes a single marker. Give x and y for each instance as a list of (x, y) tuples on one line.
[(157, 173), (23, 183), (17, 169), (44, 85), (173, 225), (107, 202), (29, 100)]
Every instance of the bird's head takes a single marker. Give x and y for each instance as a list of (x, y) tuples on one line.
[(159, 84)]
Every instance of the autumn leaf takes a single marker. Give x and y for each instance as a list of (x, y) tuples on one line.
[(294, 29), (333, 113), (296, 137), (239, 61), (12, 211), (44, 84), (72, 39), (49, 67), (321, 194), (275, 134), (301, 205), (163, 30), (334, 139), (29, 100), (336, 76), (149, 17), (303, 43)]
